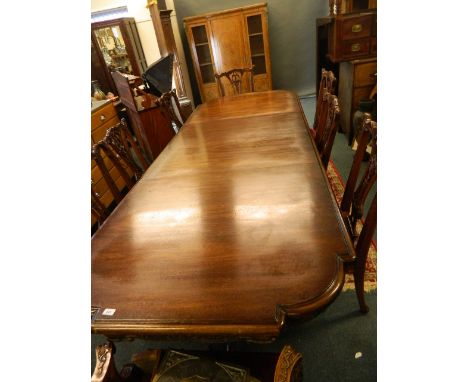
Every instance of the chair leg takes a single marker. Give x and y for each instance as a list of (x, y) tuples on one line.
[(105, 370), (359, 286)]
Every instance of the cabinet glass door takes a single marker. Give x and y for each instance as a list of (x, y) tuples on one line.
[(257, 50), (203, 53), (113, 49)]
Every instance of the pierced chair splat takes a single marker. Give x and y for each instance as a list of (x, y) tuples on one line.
[(235, 79), (126, 147)]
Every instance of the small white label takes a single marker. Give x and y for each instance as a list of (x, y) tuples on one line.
[(358, 355), (108, 312)]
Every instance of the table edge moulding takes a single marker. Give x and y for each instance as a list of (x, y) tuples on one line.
[(229, 283)]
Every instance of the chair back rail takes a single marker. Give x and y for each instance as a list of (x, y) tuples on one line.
[(326, 136), (235, 78), (327, 83)]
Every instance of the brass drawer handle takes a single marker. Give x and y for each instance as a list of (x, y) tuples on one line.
[(356, 28), (355, 47), (103, 118)]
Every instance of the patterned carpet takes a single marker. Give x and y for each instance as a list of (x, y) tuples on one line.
[(370, 277)]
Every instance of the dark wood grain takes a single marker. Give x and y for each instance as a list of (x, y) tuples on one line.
[(231, 230)]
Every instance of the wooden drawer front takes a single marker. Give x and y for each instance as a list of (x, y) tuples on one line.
[(100, 185), (100, 132), (357, 27), (356, 48), (105, 194), (102, 115), (364, 74)]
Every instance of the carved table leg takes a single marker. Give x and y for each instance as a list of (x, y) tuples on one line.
[(105, 370), (289, 366)]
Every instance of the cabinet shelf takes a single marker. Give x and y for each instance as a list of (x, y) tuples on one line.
[(255, 34), (205, 64), (119, 55), (201, 43), (258, 55)]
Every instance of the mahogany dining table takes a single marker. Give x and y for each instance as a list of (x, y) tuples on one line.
[(231, 232)]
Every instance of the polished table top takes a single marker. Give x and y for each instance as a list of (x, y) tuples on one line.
[(230, 231)]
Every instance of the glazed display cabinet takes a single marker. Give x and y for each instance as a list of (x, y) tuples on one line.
[(234, 38), (115, 45)]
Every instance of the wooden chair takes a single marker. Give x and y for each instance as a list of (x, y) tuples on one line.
[(123, 151), (327, 128), (352, 205), (235, 76), (327, 84), (171, 107), (144, 366), (126, 148)]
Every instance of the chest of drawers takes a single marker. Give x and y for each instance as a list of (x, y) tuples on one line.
[(356, 81), (352, 36)]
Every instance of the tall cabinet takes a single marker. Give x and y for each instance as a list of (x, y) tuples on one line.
[(347, 45), (235, 38), (115, 45)]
